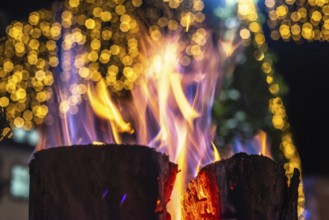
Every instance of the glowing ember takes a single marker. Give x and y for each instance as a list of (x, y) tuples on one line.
[(201, 201)]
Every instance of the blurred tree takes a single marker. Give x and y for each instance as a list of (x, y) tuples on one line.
[(242, 108)]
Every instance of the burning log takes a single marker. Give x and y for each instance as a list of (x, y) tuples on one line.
[(242, 187), (94, 183)]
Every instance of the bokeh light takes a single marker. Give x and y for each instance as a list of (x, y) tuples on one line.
[(298, 20)]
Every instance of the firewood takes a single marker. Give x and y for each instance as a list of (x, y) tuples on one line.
[(100, 182), (243, 187)]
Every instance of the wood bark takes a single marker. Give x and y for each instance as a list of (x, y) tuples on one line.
[(100, 182), (243, 187)]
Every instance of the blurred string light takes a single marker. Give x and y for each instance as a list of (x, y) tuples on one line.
[(19, 182), (31, 137), (251, 33), (298, 19), (101, 41)]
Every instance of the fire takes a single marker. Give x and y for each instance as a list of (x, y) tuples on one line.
[(171, 91), (259, 144), (216, 153), (168, 106), (104, 107), (262, 137), (229, 48), (175, 102), (169, 109)]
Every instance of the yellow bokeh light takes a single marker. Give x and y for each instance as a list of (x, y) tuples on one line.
[(8, 65), (105, 56), (19, 122), (285, 31), (198, 5), (120, 9), (97, 12), (278, 121), (307, 31), (106, 16), (267, 67), (20, 94), (27, 115), (115, 49), (74, 3), (254, 27), (137, 3), (90, 23), (95, 44), (4, 102), (34, 18), (316, 16), (295, 29), (41, 97)]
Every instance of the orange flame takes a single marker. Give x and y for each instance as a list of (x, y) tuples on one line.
[(259, 144), (104, 107), (261, 138), (216, 153), (229, 48), (183, 128)]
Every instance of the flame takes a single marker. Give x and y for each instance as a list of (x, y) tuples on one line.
[(259, 144), (229, 47), (169, 109), (265, 146), (182, 114), (216, 153), (104, 107), (188, 22)]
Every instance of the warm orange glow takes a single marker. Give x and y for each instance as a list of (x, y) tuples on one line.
[(201, 201), (264, 149), (104, 107), (229, 48), (98, 143), (188, 22), (216, 153)]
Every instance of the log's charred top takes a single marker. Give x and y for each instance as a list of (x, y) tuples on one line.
[(123, 148), (243, 158)]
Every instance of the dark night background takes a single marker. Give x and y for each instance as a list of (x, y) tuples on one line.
[(305, 67)]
